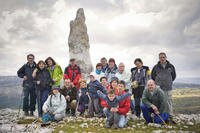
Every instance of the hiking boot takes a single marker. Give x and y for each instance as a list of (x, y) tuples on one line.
[(172, 121), (146, 123), (26, 113), (115, 126), (89, 116), (32, 114), (45, 124)]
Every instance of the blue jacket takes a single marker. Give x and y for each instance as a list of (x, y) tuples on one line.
[(27, 70), (116, 100), (84, 98), (94, 87)]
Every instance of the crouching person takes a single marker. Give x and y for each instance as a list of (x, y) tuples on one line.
[(69, 92), (153, 100), (54, 107), (82, 97)]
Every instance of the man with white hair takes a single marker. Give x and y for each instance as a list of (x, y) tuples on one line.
[(153, 100)]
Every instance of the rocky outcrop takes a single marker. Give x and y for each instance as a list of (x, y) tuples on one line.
[(78, 42)]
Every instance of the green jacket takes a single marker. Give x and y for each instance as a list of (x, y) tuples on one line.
[(57, 74), (157, 99)]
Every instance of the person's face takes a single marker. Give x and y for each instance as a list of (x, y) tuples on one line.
[(99, 68), (103, 62), (67, 83), (111, 64), (111, 97), (30, 59), (121, 87), (83, 85), (151, 85), (103, 81), (55, 91), (138, 64), (91, 78), (72, 63), (114, 84), (121, 68), (49, 62), (162, 58), (41, 66)]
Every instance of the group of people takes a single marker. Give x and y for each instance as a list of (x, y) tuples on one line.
[(107, 93)]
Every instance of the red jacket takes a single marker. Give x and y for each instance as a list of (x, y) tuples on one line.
[(124, 106), (103, 102), (74, 74)]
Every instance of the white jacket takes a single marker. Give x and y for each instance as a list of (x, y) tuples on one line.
[(126, 76)]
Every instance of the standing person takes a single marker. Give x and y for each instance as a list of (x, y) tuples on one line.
[(69, 92), (55, 71), (153, 100), (82, 96), (104, 64), (54, 107), (98, 72), (43, 79), (25, 72), (164, 74), (73, 72), (111, 70), (94, 86), (140, 75)]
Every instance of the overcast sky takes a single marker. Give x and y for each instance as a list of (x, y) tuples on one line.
[(122, 29)]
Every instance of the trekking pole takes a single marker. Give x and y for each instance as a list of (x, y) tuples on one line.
[(77, 104), (165, 124), (20, 104)]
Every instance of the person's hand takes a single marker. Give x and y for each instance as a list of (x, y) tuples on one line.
[(115, 109), (54, 113), (35, 71), (54, 80), (87, 93), (25, 77), (79, 94), (45, 111), (38, 82), (67, 97), (154, 108), (157, 112)]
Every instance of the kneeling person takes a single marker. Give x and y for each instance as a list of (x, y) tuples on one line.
[(54, 107), (69, 92), (153, 100)]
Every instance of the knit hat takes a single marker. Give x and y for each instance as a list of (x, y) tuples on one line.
[(55, 87), (114, 79)]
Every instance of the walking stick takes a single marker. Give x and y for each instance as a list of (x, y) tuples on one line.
[(165, 124), (77, 104), (22, 95)]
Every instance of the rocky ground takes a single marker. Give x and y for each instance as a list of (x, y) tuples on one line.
[(11, 121)]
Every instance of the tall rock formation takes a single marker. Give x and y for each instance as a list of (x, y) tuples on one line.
[(78, 42)]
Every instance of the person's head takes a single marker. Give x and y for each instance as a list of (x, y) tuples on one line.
[(121, 85), (162, 57), (111, 95), (82, 83), (121, 67), (92, 78), (72, 62), (67, 82), (55, 89), (111, 63), (114, 82), (30, 58), (41, 65), (151, 85), (103, 81), (50, 61), (104, 61), (138, 63), (99, 66)]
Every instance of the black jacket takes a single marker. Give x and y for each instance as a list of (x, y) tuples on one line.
[(164, 77), (45, 79), (27, 70), (70, 92)]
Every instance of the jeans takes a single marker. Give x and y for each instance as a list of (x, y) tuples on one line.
[(132, 104), (42, 96), (106, 111), (94, 107), (147, 111), (29, 104)]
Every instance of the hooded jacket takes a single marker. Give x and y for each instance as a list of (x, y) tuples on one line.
[(94, 87)]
